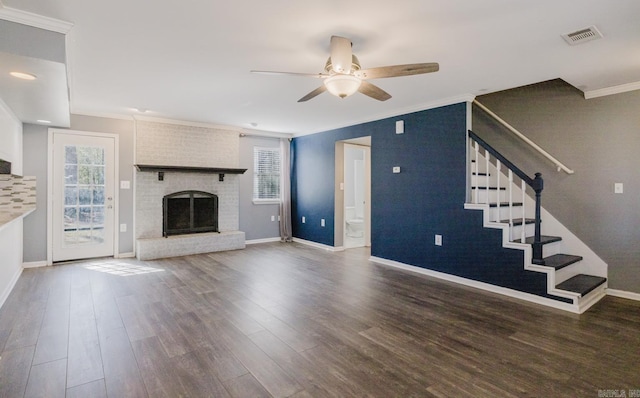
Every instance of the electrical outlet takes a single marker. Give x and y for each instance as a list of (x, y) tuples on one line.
[(438, 240), (273, 218), (618, 187), (304, 220), (123, 227), (322, 222), (278, 217), (125, 184), (396, 169)]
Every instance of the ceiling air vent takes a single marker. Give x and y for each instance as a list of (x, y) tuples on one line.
[(582, 35)]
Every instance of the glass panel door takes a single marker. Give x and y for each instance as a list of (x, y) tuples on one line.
[(83, 196), (84, 200)]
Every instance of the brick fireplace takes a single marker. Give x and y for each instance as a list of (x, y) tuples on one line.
[(204, 150)]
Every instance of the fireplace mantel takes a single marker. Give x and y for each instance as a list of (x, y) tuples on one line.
[(160, 169)]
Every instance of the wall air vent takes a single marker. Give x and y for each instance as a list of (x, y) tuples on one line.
[(582, 35)]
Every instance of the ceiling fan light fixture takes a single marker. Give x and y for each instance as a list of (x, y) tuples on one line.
[(342, 85)]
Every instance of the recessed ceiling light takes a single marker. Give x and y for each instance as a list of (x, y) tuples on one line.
[(43, 121), (24, 75)]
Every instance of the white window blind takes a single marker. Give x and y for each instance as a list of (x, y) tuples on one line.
[(266, 173)]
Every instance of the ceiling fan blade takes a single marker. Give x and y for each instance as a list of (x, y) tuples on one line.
[(397, 70), (341, 54), (268, 72), (373, 91), (314, 93)]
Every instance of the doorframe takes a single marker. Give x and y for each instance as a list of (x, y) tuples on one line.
[(339, 231), (116, 187)]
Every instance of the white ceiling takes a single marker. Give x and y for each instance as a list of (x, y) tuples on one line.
[(191, 60)]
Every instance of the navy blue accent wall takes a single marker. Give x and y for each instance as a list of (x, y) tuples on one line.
[(408, 209)]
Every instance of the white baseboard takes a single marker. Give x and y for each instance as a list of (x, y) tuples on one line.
[(10, 286), (317, 245), (35, 264), (263, 240), (532, 298), (125, 255), (623, 294)]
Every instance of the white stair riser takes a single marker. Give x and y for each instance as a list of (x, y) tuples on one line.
[(516, 231), (567, 272), (490, 196), (492, 181), (504, 213), (552, 248)]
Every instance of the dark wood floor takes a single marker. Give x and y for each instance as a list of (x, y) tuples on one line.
[(287, 320)]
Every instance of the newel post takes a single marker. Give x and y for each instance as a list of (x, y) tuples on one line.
[(537, 186)]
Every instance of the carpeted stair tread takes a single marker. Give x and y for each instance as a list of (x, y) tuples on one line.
[(582, 284), (544, 239), (490, 188), (518, 221), (559, 261), (505, 204)]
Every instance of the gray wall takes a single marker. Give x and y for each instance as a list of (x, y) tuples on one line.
[(255, 219), (598, 138), (31, 42), (34, 149), (35, 141)]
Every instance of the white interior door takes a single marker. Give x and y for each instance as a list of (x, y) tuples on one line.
[(83, 210)]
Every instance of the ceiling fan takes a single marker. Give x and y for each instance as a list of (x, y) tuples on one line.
[(343, 75)]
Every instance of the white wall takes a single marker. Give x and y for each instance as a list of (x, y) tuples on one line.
[(11, 233)]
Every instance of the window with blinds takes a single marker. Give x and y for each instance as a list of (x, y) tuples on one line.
[(266, 174)]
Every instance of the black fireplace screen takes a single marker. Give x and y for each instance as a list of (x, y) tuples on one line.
[(188, 212)]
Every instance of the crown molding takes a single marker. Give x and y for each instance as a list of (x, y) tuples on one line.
[(398, 112), (622, 88), (186, 123), (104, 115), (35, 20), (266, 134)]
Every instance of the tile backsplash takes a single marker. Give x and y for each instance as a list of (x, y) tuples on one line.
[(17, 193)]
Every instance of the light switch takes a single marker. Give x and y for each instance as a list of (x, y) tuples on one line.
[(304, 220), (438, 240), (618, 187), (400, 127), (123, 227), (322, 222), (396, 169)]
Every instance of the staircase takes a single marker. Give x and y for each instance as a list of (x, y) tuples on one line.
[(511, 201)]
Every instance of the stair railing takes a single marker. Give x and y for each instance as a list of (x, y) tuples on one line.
[(535, 183)]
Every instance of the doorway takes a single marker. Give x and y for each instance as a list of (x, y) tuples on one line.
[(353, 193), (82, 192)]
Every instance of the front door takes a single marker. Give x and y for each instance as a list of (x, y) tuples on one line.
[(83, 196)]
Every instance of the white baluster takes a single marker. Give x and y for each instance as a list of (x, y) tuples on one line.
[(510, 204), (498, 168), (487, 157), (475, 193), (524, 187)]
